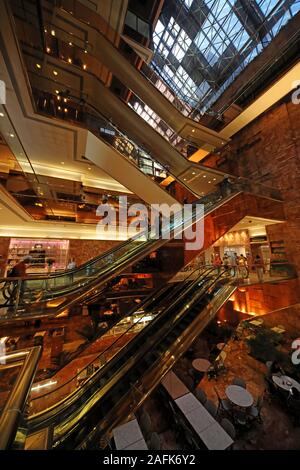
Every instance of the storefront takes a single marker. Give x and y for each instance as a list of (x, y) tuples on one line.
[(46, 255)]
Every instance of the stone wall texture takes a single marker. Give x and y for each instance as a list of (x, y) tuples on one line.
[(268, 151)]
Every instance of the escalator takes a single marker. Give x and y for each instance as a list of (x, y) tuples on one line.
[(41, 296), (128, 377)]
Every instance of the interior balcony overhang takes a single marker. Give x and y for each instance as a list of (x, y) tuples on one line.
[(206, 138), (47, 143)]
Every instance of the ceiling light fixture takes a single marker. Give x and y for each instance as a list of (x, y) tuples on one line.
[(59, 108), (70, 43), (11, 135), (56, 91), (70, 60), (193, 130), (55, 73), (52, 32), (85, 51), (193, 173), (48, 49), (1, 114), (84, 66), (38, 66), (204, 176), (62, 163)]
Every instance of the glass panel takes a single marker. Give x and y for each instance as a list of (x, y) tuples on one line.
[(211, 42)]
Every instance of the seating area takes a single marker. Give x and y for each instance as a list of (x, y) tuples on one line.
[(196, 416)]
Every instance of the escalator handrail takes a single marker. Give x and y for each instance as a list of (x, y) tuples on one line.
[(118, 339), (177, 318)]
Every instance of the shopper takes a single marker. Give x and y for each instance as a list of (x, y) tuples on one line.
[(226, 262), (71, 264), (259, 268), (19, 270), (242, 262), (217, 263)]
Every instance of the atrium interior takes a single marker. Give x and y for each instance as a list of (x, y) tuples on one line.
[(150, 225)]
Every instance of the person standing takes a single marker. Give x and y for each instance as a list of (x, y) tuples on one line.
[(71, 265), (218, 263), (259, 268), (226, 263)]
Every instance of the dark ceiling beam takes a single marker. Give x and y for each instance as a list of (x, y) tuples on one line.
[(251, 18)]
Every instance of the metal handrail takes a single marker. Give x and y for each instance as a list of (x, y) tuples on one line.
[(15, 405), (112, 345)]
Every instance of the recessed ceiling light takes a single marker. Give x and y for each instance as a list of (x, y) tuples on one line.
[(204, 176), (70, 60), (84, 66), (38, 66), (66, 110), (11, 135), (55, 73), (45, 30), (62, 163), (52, 32), (70, 43), (193, 173), (85, 51), (65, 100), (59, 108), (215, 179), (184, 179), (48, 49), (193, 130), (209, 182), (89, 168), (1, 114)]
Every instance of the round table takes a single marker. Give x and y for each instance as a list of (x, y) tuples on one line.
[(239, 396), (285, 382), (202, 365)]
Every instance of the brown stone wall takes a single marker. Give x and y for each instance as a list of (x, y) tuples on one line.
[(83, 250), (264, 298), (224, 218), (4, 245), (268, 151)]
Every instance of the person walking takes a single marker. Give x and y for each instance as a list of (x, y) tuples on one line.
[(259, 268)]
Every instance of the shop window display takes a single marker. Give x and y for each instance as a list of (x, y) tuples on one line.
[(46, 255)]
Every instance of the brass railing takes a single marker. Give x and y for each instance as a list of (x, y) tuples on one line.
[(15, 406)]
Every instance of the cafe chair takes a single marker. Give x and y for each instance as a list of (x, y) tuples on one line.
[(155, 442), (239, 381), (146, 424), (211, 408), (255, 410), (228, 427), (240, 418), (201, 395), (224, 403)]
